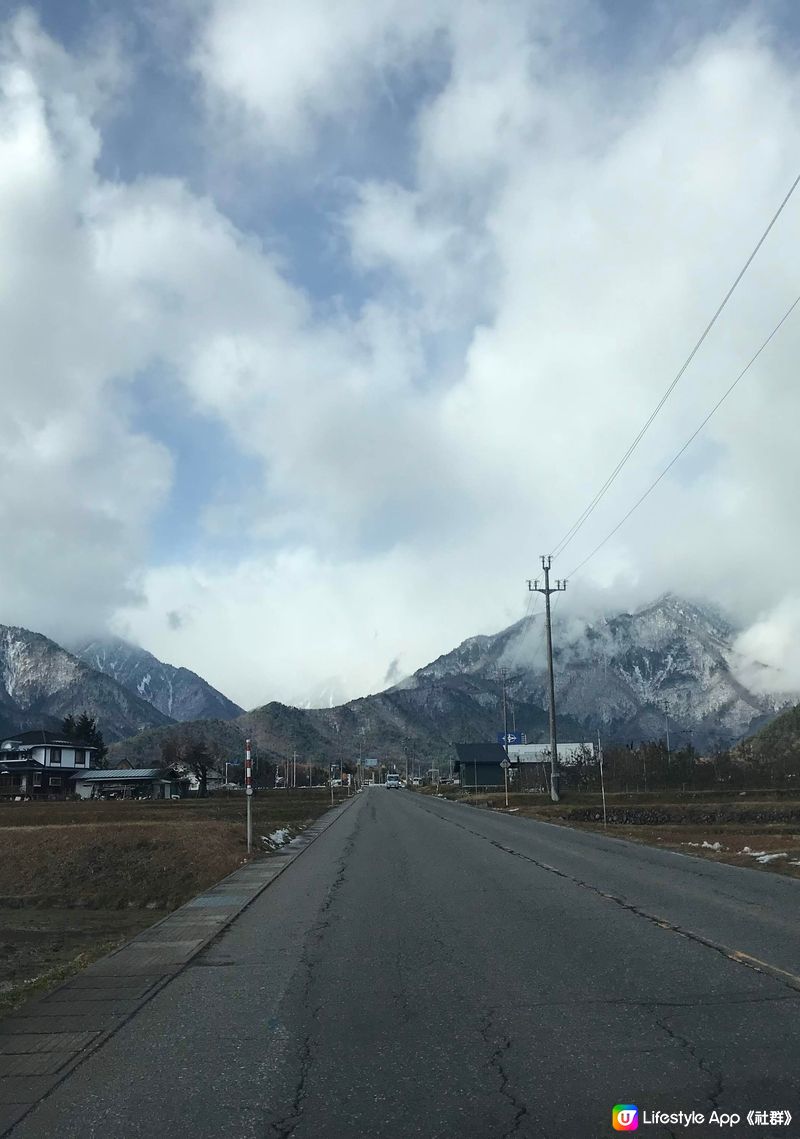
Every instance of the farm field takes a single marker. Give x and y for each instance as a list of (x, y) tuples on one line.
[(78, 879)]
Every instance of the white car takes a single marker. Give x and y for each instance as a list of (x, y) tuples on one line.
[(393, 780)]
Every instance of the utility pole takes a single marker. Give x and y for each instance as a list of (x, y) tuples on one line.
[(503, 675), (602, 777), (559, 586), (248, 786)]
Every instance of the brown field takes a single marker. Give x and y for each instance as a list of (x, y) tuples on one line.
[(79, 878)]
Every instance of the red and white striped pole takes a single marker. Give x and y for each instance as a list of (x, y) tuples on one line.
[(248, 787)]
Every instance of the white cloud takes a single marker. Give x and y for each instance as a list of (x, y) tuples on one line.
[(770, 649), (78, 488), (519, 302), (282, 70)]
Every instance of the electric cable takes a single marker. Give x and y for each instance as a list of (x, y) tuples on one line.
[(691, 438), (582, 518)]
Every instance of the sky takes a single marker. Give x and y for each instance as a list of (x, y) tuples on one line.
[(321, 320)]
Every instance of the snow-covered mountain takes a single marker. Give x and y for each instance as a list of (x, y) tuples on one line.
[(41, 683), (670, 663), (630, 676), (177, 692)]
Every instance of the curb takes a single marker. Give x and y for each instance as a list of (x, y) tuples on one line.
[(45, 1040)]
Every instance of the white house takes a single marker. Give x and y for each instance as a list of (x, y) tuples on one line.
[(568, 753), (41, 764)]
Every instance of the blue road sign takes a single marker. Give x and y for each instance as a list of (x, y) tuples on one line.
[(511, 738)]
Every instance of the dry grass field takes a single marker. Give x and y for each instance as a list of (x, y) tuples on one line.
[(79, 878)]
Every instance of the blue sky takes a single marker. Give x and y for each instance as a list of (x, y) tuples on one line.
[(337, 319)]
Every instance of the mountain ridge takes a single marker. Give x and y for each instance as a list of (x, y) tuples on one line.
[(41, 682), (669, 665), (175, 691)]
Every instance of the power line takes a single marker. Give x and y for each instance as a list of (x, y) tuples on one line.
[(582, 518), (692, 437)]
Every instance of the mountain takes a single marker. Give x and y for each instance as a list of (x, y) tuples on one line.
[(177, 692), (630, 676), (40, 683), (776, 744)]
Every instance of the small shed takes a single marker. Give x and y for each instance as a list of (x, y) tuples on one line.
[(479, 765), (125, 783)]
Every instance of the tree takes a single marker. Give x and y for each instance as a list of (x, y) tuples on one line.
[(197, 758), (85, 730), (170, 752)]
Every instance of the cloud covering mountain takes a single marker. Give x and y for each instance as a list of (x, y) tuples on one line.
[(326, 320)]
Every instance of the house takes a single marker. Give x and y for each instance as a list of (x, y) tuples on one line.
[(40, 764), (126, 783), (568, 753), (530, 769), (479, 765)]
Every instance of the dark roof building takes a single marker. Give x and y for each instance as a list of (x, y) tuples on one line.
[(43, 736), (39, 764), (479, 764)]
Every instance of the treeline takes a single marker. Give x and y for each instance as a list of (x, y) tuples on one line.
[(651, 766), (183, 752)]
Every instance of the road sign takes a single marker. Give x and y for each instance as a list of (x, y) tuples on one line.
[(504, 763), (370, 762), (511, 738)]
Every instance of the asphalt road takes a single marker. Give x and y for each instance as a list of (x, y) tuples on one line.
[(427, 969)]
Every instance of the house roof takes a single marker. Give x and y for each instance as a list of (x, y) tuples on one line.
[(44, 736), (123, 774), (17, 762)]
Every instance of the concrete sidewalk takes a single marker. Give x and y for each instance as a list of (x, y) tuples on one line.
[(41, 1043)]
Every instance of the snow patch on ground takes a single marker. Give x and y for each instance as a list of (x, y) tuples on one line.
[(762, 856), (276, 839)]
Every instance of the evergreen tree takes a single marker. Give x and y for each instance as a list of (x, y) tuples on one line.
[(87, 731), (69, 727)]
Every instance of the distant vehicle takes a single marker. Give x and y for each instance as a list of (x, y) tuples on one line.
[(393, 780), (416, 782), (336, 782)]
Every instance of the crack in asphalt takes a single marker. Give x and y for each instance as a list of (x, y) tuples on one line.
[(284, 1127), (714, 1074), (495, 1062), (763, 967)]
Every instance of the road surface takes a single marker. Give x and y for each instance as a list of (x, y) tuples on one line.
[(428, 969)]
